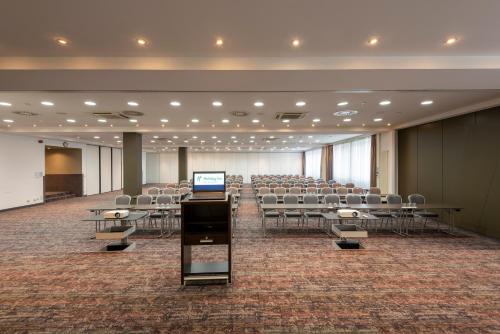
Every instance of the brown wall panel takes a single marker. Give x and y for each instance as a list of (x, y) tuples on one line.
[(63, 160), (458, 162)]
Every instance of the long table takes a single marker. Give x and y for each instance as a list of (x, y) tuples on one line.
[(449, 208)]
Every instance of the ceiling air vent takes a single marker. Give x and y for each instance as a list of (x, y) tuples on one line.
[(290, 115), (109, 115), (131, 113), (239, 113), (25, 113)]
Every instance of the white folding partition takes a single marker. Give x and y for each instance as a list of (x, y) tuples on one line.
[(105, 169), (92, 177), (116, 158), (168, 167)]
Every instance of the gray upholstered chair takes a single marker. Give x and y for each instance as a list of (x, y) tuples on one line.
[(374, 190), (353, 199), (291, 213), (385, 216), (160, 200), (423, 214), (357, 190), (153, 191), (342, 190), (332, 199), (270, 199), (295, 190), (123, 200), (311, 213), (326, 191)]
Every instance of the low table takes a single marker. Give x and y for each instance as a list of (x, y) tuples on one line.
[(121, 232), (346, 231)]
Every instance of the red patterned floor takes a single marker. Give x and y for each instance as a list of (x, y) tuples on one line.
[(53, 280)]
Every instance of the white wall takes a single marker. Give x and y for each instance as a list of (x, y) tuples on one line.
[(144, 169), (22, 165), (116, 156), (388, 143), (92, 165), (163, 167), (105, 169)]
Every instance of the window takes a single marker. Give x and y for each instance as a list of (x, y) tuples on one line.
[(313, 163), (351, 162)]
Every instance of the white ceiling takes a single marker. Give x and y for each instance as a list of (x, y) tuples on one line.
[(257, 28)]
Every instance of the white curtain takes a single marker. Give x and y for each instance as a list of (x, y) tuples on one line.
[(313, 163), (351, 162)]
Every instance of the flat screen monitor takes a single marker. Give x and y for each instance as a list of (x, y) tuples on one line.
[(209, 181)]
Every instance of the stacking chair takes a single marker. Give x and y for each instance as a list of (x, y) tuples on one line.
[(383, 215), (233, 191), (357, 190), (171, 185), (279, 192), (184, 190), (330, 182), (295, 190), (349, 185), (401, 216), (422, 214), (273, 185), (326, 191), (235, 185), (374, 190), (160, 200), (336, 185), (183, 184), (123, 200), (270, 199), (311, 213), (353, 199), (291, 213), (332, 199), (311, 190), (153, 191), (169, 191), (144, 200), (342, 191), (311, 184), (323, 185)]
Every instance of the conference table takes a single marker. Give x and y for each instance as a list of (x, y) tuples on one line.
[(405, 208)]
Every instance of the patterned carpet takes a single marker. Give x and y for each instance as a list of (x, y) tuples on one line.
[(53, 280)]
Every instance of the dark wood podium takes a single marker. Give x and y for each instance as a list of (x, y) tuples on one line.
[(205, 222)]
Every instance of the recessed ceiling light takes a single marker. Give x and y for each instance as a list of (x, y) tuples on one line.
[(141, 42), (70, 120), (373, 41), (175, 137), (186, 141), (116, 137), (225, 120), (164, 120), (195, 137), (132, 120), (219, 42), (309, 137), (156, 137), (5, 104), (214, 137), (451, 40), (388, 124), (300, 103), (153, 141), (343, 103), (8, 121), (285, 120), (347, 119), (316, 120), (175, 103), (259, 104), (132, 103), (255, 121), (118, 141), (252, 137), (344, 113), (290, 137), (384, 102), (219, 141), (97, 137), (301, 141), (47, 103), (317, 140), (195, 120), (217, 103), (426, 102), (377, 119), (90, 103), (62, 41), (102, 120), (296, 42)]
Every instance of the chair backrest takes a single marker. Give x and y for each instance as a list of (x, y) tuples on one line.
[(331, 181), (171, 185), (235, 185), (164, 199), (273, 185), (184, 185), (310, 199), (323, 185), (264, 190), (184, 190), (290, 199), (375, 190), (311, 184), (394, 199), (144, 200), (416, 199), (373, 199), (353, 199), (357, 190), (184, 181), (311, 190), (280, 191), (269, 199), (349, 185), (169, 191), (285, 185), (153, 191), (123, 200), (232, 190), (295, 190), (332, 199), (342, 190), (326, 191), (336, 185), (260, 185)]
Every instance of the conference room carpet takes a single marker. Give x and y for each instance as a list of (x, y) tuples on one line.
[(53, 280)]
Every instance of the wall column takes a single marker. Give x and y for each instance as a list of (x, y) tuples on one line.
[(183, 166), (132, 163)]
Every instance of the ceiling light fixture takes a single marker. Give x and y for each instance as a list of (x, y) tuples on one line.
[(70, 120), (451, 40), (285, 120), (347, 119), (8, 121), (62, 41), (102, 120), (132, 120), (97, 137), (225, 120), (219, 42), (296, 42), (373, 41), (259, 104), (255, 121), (132, 103), (141, 41), (384, 103), (300, 103), (164, 120), (47, 103), (116, 137), (195, 120), (426, 102), (378, 119), (5, 104), (175, 103), (316, 120), (217, 103), (343, 103), (90, 103)]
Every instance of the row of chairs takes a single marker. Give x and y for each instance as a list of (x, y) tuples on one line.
[(313, 190), (155, 191)]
